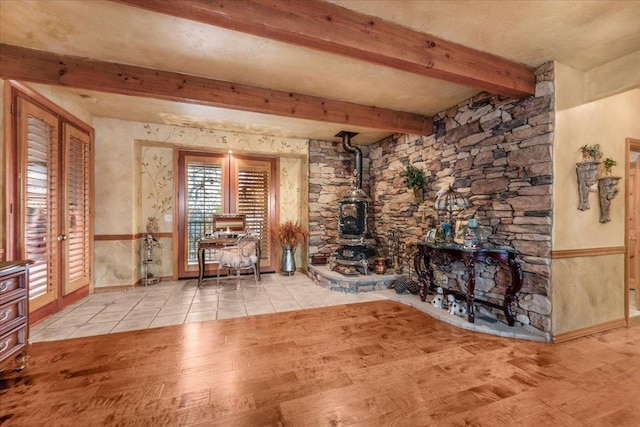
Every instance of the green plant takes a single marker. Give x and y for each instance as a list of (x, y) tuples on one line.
[(415, 177), (289, 233), (608, 163), (591, 152)]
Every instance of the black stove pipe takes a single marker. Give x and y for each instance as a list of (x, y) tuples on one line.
[(346, 143)]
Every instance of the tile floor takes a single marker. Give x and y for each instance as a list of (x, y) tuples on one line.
[(176, 302)]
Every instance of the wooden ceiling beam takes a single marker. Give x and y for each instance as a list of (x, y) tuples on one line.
[(70, 71), (334, 29)]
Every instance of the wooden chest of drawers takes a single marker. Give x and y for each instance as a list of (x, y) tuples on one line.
[(14, 314)]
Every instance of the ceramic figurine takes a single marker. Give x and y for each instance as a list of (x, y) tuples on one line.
[(437, 301), (458, 308), (450, 300)]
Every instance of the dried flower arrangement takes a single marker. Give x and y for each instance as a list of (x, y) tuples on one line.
[(289, 233)]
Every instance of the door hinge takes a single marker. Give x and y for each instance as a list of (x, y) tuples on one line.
[(13, 109)]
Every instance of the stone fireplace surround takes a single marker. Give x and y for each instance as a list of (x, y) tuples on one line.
[(494, 150)]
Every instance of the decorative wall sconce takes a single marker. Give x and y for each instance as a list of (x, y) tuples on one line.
[(607, 189), (587, 176), (587, 171)]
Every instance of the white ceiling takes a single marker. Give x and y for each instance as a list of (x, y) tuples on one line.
[(581, 34)]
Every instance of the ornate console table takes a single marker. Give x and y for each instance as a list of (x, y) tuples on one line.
[(431, 254)]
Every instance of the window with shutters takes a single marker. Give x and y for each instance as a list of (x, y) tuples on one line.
[(204, 198), (77, 237), (254, 190), (212, 184), (39, 143)]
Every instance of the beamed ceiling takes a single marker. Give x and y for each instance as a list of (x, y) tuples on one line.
[(302, 68)]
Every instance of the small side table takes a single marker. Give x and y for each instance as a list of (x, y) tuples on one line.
[(429, 254)]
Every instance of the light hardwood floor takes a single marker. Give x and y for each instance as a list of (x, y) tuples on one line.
[(378, 363)]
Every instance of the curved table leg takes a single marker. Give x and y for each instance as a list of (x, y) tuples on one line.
[(421, 265), (471, 287), (511, 291), (200, 265)]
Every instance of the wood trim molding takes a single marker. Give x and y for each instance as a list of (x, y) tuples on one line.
[(331, 28), (72, 71), (588, 252), (107, 237), (137, 284), (99, 289), (566, 336), (27, 91)]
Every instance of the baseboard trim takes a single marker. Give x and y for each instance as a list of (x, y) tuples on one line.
[(109, 237), (99, 289), (566, 336), (588, 252)]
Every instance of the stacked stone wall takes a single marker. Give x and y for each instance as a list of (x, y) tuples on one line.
[(330, 177), (496, 151)]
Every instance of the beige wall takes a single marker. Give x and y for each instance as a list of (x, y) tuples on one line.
[(122, 190), (589, 290), (71, 103)]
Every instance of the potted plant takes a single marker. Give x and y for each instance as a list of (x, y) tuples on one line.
[(289, 234), (415, 180), (608, 163), (591, 153)]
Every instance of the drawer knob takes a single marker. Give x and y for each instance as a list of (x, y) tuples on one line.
[(4, 286), (4, 345), (4, 315)]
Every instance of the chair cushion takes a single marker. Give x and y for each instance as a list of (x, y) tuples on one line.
[(241, 256), (231, 259), (247, 248)]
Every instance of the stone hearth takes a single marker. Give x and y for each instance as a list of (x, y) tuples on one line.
[(335, 281)]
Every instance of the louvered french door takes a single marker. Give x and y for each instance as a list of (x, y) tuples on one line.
[(211, 184), (38, 145), (77, 244), (254, 197), (53, 225)]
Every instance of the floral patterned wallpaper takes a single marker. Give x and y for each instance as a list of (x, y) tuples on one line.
[(156, 187)]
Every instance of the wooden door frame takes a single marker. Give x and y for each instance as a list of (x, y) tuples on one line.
[(630, 144), (179, 269), (12, 90), (178, 163)]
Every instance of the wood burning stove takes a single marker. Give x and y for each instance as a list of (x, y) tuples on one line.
[(357, 247)]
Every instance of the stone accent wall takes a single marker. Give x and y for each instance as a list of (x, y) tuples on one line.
[(497, 152), (494, 150), (330, 176)]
